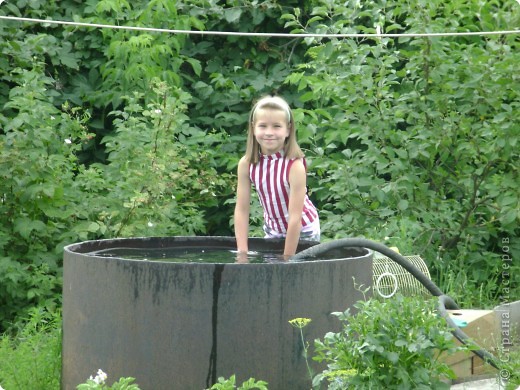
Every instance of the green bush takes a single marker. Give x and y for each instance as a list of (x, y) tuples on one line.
[(38, 160), (51, 199), (31, 353), (160, 174), (391, 344), (416, 138)]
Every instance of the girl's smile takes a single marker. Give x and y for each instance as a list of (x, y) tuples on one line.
[(270, 130)]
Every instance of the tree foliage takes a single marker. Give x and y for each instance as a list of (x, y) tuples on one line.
[(422, 130), (110, 132)]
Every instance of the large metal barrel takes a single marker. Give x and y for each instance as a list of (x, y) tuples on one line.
[(177, 325)]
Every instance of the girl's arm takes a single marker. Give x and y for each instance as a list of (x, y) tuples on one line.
[(298, 184), (242, 205)]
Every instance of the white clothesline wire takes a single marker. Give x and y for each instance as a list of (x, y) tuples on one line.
[(254, 34)]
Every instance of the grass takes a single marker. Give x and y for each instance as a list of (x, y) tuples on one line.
[(31, 353)]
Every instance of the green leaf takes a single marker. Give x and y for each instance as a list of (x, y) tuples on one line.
[(403, 204), (69, 60), (198, 24), (93, 227), (232, 15), (393, 357), (195, 64), (25, 226), (400, 343)]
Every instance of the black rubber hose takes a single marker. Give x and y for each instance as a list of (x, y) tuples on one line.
[(314, 251), (445, 302)]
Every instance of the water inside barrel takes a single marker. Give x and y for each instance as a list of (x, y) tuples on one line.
[(214, 255), (186, 255)]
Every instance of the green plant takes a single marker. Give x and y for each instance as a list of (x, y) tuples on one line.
[(415, 137), (98, 383), (51, 199), (392, 344), (229, 384), (300, 323), (508, 357), (510, 372), (160, 171), (38, 161), (31, 352)]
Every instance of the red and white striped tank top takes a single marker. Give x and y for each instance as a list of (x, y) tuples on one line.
[(270, 177)]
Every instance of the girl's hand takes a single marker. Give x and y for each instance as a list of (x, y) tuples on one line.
[(242, 257)]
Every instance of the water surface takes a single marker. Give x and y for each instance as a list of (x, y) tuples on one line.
[(214, 254), (181, 254)]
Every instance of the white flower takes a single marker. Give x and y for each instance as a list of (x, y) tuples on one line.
[(100, 377), (157, 111), (68, 141), (52, 118), (150, 224)]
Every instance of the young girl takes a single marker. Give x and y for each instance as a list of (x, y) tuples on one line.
[(274, 164)]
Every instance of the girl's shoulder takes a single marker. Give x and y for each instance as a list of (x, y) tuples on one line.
[(243, 165), (298, 161), (244, 161)]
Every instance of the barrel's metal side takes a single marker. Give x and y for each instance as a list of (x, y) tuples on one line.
[(181, 326)]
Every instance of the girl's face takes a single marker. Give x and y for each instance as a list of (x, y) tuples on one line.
[(270, 130)]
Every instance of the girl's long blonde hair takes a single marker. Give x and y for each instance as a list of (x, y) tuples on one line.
[(291, 148)]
